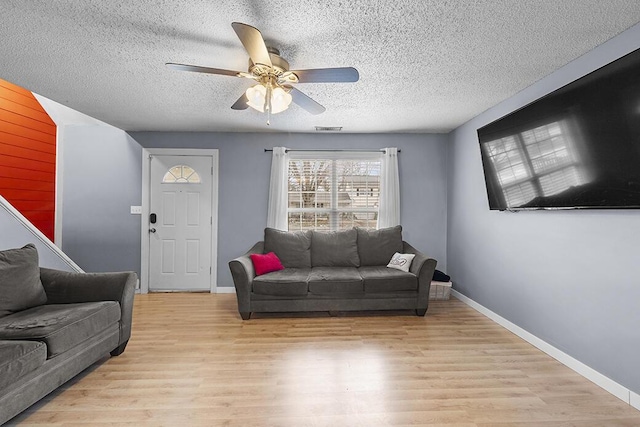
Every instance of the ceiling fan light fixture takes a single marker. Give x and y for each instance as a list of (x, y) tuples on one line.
[(256, 95), (280, 98)]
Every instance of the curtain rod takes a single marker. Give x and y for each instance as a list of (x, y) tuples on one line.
[(266, 150)]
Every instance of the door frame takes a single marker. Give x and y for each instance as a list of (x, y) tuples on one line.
[(146, 202)]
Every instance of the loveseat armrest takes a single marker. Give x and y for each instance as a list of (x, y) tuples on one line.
[(63, 287), (423, 267), (243, 273)]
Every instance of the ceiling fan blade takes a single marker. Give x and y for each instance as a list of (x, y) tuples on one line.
[(198, 69), (241, 103), (305, 102), (253, 42), (327, 75)]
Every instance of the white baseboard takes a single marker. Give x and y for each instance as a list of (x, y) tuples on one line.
[(591, 374), (225, 290), (634, 400)]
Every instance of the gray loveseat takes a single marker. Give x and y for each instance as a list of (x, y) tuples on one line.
[(55, 324), (333, 271)]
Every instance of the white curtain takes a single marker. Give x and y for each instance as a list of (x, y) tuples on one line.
[(277, 209), (389, 209)]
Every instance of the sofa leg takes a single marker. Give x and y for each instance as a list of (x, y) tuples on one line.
[(333, 313), (119, 349), (421, 311), (245, 315)]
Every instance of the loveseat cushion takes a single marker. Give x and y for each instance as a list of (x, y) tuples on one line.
[(60, 326), (383, 279), (20, 285), (334, 248), (287, 282), (376, 247), (335, 281), (18, 358), (293, 248)]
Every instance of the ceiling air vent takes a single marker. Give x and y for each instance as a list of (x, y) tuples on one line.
[(328, 128)]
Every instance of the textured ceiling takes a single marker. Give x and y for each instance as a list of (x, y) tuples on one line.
[(425, 66)]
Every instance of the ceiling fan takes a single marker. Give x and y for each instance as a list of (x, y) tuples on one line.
[(273, 92)]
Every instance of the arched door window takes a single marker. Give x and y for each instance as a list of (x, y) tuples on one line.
[(181, 174)]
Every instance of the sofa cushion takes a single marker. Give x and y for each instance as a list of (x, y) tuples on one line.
[(293, 248), (20, 285), (334, 249), (376, 247), (18, 358), (287, 282), (335, 280), (60, 326), (383, 279)]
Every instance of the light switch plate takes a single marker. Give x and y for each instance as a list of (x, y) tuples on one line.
[(136, 210)]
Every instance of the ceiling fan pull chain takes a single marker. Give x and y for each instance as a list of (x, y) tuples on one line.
[(267, 103)]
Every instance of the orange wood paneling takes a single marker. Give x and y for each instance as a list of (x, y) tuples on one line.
[(15, 88), (38, 215), (26, 174), (10, 104), (34, 195), (33, 165), (23, 184), (16, 98), (45, 227), (27, 156), (27, 117), (19, 130), (35, 205), (26, 144)]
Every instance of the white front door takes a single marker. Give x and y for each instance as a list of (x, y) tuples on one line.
[(180, 223)]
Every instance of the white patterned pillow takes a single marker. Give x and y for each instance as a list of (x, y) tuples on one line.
[(401, 261)]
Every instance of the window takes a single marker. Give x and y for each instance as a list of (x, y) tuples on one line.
[(333, 193), (181, 174), (536, 162)]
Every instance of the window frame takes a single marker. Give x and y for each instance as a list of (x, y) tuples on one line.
[(182, 179), (334, 210)]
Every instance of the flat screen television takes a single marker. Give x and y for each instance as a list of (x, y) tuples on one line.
[(576, 148)]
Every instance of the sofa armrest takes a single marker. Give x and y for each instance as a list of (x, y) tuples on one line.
[(243, 273), (423, 267), (63, 287)]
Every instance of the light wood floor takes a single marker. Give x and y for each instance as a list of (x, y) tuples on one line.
[(192, 362)]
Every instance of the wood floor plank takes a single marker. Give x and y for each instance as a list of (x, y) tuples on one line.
[(192, 361)]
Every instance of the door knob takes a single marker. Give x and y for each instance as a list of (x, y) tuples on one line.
[(152, 230)]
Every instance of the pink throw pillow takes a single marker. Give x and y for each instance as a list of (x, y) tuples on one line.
[(266, 263)]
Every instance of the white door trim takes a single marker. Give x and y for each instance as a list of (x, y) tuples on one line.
[(146, 200)]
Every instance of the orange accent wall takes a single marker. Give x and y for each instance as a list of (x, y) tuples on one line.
[(27, 156)]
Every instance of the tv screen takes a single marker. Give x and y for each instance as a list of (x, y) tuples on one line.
[(577, 147)]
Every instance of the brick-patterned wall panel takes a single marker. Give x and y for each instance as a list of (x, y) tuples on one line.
[(27, 156)]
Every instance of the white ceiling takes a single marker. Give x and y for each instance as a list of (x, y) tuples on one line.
[(425, 66)]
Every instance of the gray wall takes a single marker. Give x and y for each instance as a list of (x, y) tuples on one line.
[(244, 183), (15, 234), (572, 278), (101, 180)]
